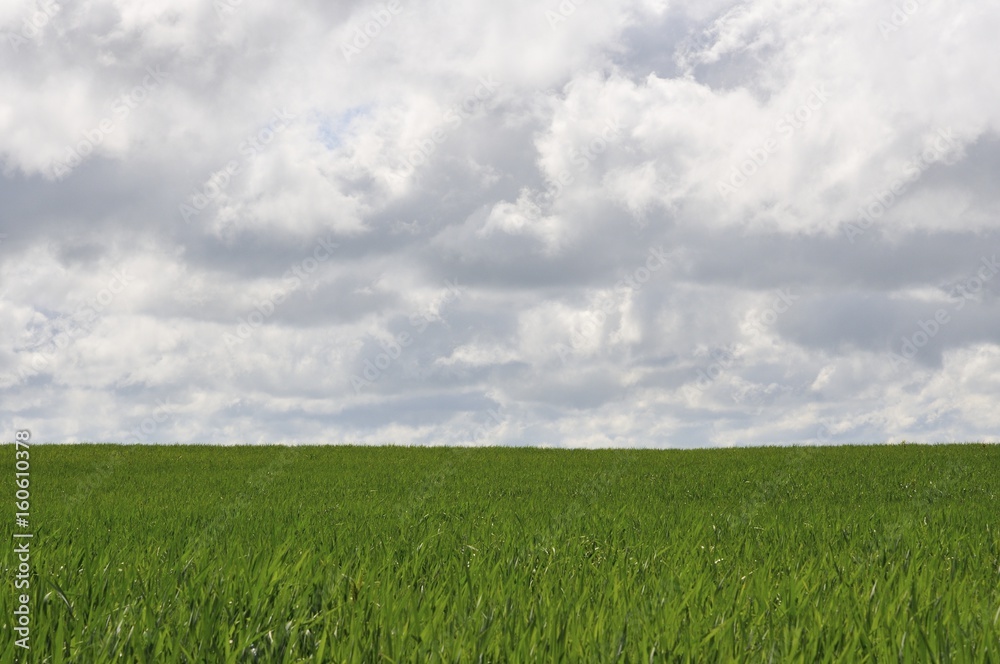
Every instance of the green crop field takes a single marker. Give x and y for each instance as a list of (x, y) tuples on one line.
[(354, 554)]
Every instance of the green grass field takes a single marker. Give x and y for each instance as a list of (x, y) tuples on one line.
[(271, 554)]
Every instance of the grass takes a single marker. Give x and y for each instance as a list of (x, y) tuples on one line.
[(271, 554)]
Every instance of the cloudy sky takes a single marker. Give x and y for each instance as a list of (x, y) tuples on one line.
[(618, 223)]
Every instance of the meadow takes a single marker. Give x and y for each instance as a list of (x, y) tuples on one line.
[(359, 554)]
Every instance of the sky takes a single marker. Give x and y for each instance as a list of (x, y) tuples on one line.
[(629, 223)]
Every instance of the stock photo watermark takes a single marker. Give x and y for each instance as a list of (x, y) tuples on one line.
[(392, 349), (151, 423), (369, 31), (754, 395), (927, 329), (595, 319), (582, 158), (33, 26), (901, 14), (481, 432), (880, 201), (22, 538), (723, 359), (293, 279), (420, 153), (780, 302), (121, 108), (100, 472), (62, 330), (253, 145), (224, 8), (755, 324), (563, 11), (783, 130)]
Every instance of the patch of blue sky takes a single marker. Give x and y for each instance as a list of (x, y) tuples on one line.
[(332, 130)]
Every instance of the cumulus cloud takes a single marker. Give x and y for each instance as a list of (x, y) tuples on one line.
[(631, 223)]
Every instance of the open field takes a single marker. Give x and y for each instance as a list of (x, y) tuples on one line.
[(270, 554)]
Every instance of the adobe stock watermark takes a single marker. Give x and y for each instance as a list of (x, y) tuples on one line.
[(418, 154), (826, 430), (123, 105), (900, 16), (370, 30), (595, 319), (151, 423), (224, 8), (756, 324), (783, 130), (583, 158), (638, 223), (781, 301), (753, 395), (33, 26), (22, 536), (912, 343), (392, 349), (294, 278), (880, 201), (723, 359), (68, 326), (248, 149), (564, 10), (480, 433)]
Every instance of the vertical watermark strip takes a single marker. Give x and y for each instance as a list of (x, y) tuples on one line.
[(22, 538)]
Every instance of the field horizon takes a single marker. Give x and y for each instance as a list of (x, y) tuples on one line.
[(361, 553), (393, 445)]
